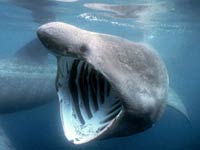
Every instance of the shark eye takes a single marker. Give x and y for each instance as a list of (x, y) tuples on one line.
[(83, 48)]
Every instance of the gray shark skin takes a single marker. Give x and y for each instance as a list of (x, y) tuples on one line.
[(107, 86)]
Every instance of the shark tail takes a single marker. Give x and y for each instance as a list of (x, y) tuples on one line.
[(175, 102), (5, 143)]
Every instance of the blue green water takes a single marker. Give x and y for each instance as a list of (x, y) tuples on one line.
[(173, 32)]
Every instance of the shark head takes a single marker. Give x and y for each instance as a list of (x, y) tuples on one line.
[(107, 86), (64, 41)]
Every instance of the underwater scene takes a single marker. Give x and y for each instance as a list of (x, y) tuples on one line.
[(99, 74)]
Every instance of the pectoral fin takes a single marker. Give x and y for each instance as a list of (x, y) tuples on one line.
[(175, 102)]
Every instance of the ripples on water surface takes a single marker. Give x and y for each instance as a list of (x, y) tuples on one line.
[(172, 27)]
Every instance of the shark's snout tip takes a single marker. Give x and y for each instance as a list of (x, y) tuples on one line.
[(46, 34), (49, 30), (41, 32), (44, 29)]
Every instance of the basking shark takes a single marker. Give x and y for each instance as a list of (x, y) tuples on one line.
[(107, 86), (28, 80)]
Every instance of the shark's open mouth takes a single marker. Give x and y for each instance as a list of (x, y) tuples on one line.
[(88, 103)]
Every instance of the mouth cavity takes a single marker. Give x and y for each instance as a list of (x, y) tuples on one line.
[(88, 103)]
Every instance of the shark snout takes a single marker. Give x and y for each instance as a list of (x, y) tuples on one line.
[(43, 35), (50, 38), (61, 41)]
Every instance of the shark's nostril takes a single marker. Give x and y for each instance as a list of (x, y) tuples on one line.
[(41, 32)]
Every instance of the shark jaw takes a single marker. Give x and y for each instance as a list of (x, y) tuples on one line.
[(89, 106)]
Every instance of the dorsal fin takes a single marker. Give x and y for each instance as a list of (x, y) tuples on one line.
[(33, 52)]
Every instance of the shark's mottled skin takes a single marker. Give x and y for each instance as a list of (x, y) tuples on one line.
[(135, 71)]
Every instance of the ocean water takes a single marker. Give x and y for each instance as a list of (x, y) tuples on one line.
[(172, 27)]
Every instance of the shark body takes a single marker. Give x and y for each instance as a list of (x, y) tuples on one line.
[(107, 86)]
